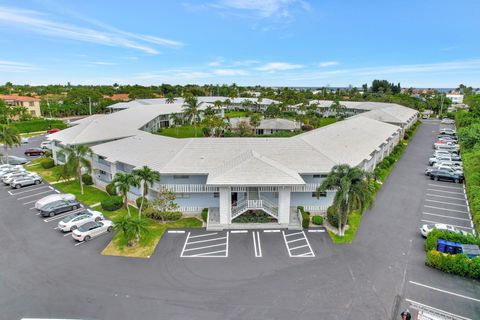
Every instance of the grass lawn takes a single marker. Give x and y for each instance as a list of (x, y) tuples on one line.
[(91, 194), (353, 223), (186, 131), (32, 134), (147, 245), (326, 121), (50, 175), (235, 114)]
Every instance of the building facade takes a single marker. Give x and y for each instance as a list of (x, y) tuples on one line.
[(32, 104)]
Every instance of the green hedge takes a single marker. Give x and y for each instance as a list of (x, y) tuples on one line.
[(205, 214), (155, 214), (112, 203), (305, 217), (458, 264), (332, 217), (37, 125), (111, 189), (431, 242), (47, 163), (87, 179), (317, 220)]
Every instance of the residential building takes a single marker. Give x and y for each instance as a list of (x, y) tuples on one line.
[(456, 98), (32, 104)]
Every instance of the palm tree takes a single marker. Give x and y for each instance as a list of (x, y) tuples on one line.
[(255, 121), (353, 191), (9, 137), (177, 121), (77, 161), (132, 228), (147, 178), (192, 111), (170, 98), (123, 182)]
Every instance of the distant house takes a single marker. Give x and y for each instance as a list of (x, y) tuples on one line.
[(455, 97), (270, 126), (32, 104), (118, 97)]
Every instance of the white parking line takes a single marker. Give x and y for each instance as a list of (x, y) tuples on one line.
[(28, 190), (305, 254), (200, 241), (305, 245), (316, 230), (451, 192), (31, 208), (176, 231), (446, 197), (443, 216), (269, 230), (33, 195), (444, 291), (256, 244), (422, 308), (461, 227), (439, 208), (186, 241), (443, 202), (30, 201), (299, 239), (239, 231), (211, 246), (209, 254), (67, 234), (437, 185), (203, 235), (292, 234)]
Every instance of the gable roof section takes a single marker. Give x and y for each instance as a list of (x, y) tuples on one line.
[(251, 168)]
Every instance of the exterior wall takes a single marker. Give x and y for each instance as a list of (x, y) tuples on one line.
[(307, 199), (192, 179), (33, 107)]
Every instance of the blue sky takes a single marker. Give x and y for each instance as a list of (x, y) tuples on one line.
[(427, 43)]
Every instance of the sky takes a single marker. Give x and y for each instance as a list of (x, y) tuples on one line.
[(419, 43)]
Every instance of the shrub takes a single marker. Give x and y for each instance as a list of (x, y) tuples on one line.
[(458, 264), (87, 179), (205, 214), (47, 163), (47, 154), (305, 220), (172, 215), (332, 217), (156, 214), (317, 220), (111, 189), (37, 125), (138, 201), (431, 242), (112, 203)]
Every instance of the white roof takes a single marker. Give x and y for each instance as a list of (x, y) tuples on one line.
[(278, 124)]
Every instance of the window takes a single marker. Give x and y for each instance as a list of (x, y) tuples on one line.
[(181, 177), (30, 104), (316, 176), (216, 194), (321, 194)]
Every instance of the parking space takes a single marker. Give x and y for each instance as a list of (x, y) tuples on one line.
[(297, 244), (205, 245)]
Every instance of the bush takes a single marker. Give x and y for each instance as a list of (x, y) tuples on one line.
[(87, 179), (112, 203), (37, 125), (431, 242), (47, 154), (305, 220), (139, 201), (111, 189), (317, 220), (205, 214), (172, 215), (47, 163), (458, 264), (332, 217), (154, 213)]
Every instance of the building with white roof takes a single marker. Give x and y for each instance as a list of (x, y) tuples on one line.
[(231, 176)]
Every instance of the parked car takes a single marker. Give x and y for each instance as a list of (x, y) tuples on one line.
[(14, 160), (53, 198), (448, 131), (448, 121), (448, 139), (18, 183), (60, 206), (8, 178), (73, 221), (24, 140), (452, 164), (92, 229), (14, 169), (448, 147), (34, 152), (444, 167), (439, 152), (445, 175), (427, 228), (440, 158), (46, 145), (53, 130)]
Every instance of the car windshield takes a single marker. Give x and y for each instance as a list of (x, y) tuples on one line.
[(68, 218), (86, 226)]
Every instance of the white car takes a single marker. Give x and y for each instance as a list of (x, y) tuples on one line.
[(427, 228), (452, 164), (24, 140), (20, 182), (92, 229), (452, 169), (53, 198), (46, 145), (448, 121), (7, 179), (448, 131), (443, 158), (13, 169), (76, 220)]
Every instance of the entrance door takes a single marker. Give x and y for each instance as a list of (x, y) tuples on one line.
[(234, 198)]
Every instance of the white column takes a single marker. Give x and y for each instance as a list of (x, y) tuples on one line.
[(284, 205), (225, 203), (54, 152)]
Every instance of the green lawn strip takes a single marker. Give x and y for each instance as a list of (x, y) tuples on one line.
[(32, 134), (49, 175), (356, 217), (146, 246), (235, 114), (91, 194), (186, 131)]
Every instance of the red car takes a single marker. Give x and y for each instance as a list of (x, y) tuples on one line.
[(53, 130), (34, 152)]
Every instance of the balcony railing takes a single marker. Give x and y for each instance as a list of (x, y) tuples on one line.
[(186, 188), (261, 204), (101, 166)]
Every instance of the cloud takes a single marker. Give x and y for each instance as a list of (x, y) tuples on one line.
[(13, 66), (245, 63), (261, 9), (217, 62), (230, 72), (279, 66), (36, 22), (103, 63), (328, 64)]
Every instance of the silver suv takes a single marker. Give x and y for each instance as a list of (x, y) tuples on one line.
[(25, 181)]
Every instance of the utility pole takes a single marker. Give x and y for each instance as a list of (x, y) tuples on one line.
[(441, 104), (48, 105), (90, 105)]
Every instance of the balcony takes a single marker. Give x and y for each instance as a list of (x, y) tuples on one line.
[(104, 166), (185, 188), (260, 204)]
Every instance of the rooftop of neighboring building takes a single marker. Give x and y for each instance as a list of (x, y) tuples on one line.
[(16, 97)]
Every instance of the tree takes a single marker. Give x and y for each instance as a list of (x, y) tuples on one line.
[(177, 120), (123, 182), (243, 128), (192, 111), (147, 177), (77, 161), (170, 98), (132, 228), (165, 202), (353, 192), (9, 87), (9, 137), (255, 121)]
